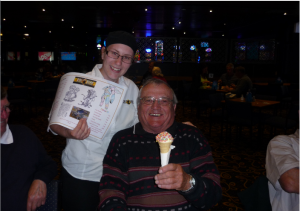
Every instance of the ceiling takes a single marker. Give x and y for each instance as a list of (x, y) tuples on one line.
[(228, 19)]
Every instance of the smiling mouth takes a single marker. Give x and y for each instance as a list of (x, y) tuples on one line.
[(156, 115), (115, 69)]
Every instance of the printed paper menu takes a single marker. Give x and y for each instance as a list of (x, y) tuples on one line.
[(84, 96)]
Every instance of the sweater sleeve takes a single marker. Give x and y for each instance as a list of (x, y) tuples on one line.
[(207, 191), (114, 185), (46, 168)]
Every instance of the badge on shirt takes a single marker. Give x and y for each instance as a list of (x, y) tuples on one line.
[(127, 102)]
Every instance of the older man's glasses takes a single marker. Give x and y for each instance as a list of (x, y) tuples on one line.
[(6, 109), (164, 101), (115, 55)]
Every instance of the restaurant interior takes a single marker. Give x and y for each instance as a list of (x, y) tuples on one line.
[(43, 40)]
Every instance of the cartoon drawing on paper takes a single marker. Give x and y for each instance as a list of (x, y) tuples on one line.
[(63, 108), (109, 95), (89, 98), (72, 93)]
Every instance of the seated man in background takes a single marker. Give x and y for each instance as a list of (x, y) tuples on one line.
[(156, 73), (228, 78), (244, 83), (190, 181), (25, 166), (282, 167)]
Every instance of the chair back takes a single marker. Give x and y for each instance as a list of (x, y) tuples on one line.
[(53, 195)]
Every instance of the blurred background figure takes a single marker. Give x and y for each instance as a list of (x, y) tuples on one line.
[(228, 78), (156, 73), (204, 82), (148, 74)]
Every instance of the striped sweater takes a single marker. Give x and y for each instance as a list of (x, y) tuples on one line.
[(133, 159)]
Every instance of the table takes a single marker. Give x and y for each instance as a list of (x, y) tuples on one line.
[(258, 103)]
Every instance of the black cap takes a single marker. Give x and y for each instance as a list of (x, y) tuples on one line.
[(121, 37)]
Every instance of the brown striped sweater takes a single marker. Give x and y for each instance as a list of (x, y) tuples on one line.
[(133, 159)]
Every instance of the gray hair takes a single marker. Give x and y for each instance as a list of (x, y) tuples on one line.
[(157, 82)]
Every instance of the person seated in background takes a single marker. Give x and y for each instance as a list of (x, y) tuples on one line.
[(204, 82), (244, 83), (190, 181), (148, 74), (156, 73), (25, 166), (228, 78), (282, 171)]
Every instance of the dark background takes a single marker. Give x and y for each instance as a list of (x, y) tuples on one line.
[(235, 20)]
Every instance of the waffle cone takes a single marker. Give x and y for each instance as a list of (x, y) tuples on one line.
[(164, 146)]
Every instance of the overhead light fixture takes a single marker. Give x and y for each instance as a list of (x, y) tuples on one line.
[(173, 27), (4, 19), (62, 19), (26, 35), (72, 27), (224, 24), (146, 10), (284, 13), (1, 34), (50, 32), (132, 32), (183, 32), (179, 22), (44, 10), (25, 26), (223, 35), (210, 10)]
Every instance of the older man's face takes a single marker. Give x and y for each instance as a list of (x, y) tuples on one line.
[(4, 114), (156, 118)]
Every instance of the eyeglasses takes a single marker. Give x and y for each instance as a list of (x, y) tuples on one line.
[(164, 101), (115, 55), (6, 109)]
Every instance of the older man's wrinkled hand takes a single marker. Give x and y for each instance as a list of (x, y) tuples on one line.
[(172, 176), (36, 195)]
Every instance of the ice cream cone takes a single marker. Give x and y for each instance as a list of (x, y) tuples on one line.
[(164, 147), (164, 140)]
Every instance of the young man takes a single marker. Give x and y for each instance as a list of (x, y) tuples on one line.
[(133, 178), (82, 158), (25, 166)]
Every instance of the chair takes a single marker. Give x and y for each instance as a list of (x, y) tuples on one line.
[(256, 197), (216, 110), (53, 197), (240, 114), (290, 120)]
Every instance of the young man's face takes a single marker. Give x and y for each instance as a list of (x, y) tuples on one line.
[(113, 69), (4, 114), (156, 118)]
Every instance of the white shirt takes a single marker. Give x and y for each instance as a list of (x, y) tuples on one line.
[(282, 155), (83, 158), (7, 137)]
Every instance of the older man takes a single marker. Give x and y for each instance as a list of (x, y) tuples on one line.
[(130, 181), (25, 166)]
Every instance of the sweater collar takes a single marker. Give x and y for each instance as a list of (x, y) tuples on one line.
[(139, 130)]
